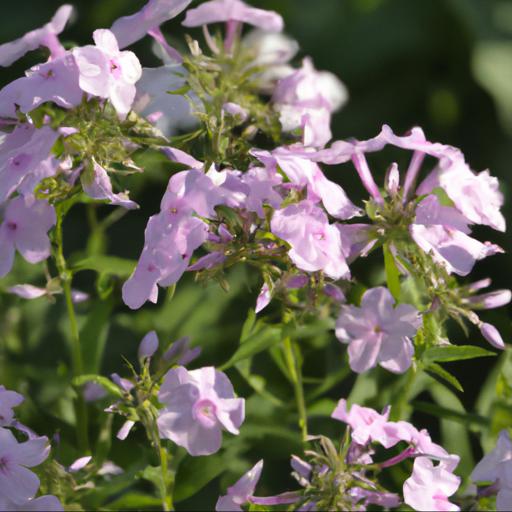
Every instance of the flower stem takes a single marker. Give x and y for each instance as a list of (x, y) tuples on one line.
[(76, 349), (296, 378)]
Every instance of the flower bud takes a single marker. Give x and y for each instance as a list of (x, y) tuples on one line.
[(492, 335), (392, 180), (149, 345)]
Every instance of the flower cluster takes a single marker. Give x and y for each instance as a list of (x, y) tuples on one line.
[(19, 485), (250, 184)]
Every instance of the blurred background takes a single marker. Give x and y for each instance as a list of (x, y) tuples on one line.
[(445, 65)]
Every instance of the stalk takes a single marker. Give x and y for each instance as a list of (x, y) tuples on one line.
[(296, 377), (76, 350)]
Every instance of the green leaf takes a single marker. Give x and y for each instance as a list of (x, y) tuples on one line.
[(112, 265), (438, 373), (263, 337), (98, 379), (392, 273), (135, 501), (196, 472), (464, 418), (93, 335), (446, 353)]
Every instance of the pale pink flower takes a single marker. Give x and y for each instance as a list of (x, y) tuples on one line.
[(315, 244), (430, 486), (378, 333), (219, 11), (496, 467), (55, 80), (171, 113), (306, 99), (367, 424), (8, 400), (17, 483), (107, 72), (453, 249), (129, 29), (97, 185), (170, 241), (303, 173), (24, 228), (241, 492), (23, 154), (198, 406), (44, 36)]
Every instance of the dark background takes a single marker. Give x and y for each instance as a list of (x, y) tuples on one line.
[(445, 65)]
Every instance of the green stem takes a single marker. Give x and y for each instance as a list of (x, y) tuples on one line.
[(398, 409), (296, 378), (166, 490), (76, 350)]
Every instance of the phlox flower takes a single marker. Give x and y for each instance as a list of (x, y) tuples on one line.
[(241, 492), (170, 113), (218, 11), (46, 503), (56, 80), (367, 424), (25, 157), (430, 486), (306, 99), (24, 228), (44, 36), (303, 173), (496, 468), (198, 406), (17, 483), (315, 244), (170, 241), (377, 332), (130, 29), (107, 72), (8, 400), (97, 185), (272, 51)]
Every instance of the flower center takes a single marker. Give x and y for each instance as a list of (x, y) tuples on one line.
[(12, 226), (4, 465), (205, 411), (20, 161)]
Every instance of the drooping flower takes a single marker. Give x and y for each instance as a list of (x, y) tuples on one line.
[(107, 72), (496, 468), (315, 244), (44, 36), (198, 406), (306, 99), (17, 483), (226, 11), (430, 486), (241, 492), (377, 332), (129, 29), (8, 400), (25, 227), (97, 185)]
